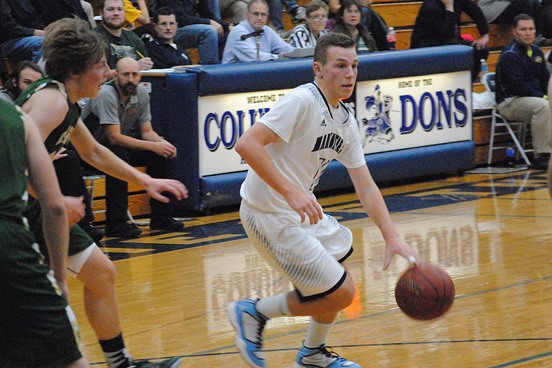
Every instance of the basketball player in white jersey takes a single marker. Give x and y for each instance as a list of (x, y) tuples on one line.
[(288, 149)]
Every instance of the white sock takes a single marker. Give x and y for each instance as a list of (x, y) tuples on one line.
[(273, 306), (317, 333)]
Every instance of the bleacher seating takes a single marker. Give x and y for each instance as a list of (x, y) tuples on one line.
[(401, 14)]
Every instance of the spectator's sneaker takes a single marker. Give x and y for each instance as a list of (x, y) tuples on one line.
[(169, 363), (249, 325), (165, 223), (123, 230), (321, 357), (298, 14)]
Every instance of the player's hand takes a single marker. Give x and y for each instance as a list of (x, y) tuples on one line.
[(60, 154), (62, 283), (305, 205), (400, 247), (165, 149), (156, 187), (75, 209), (145, 63)]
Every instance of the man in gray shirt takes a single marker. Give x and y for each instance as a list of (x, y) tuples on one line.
[(120, 119)]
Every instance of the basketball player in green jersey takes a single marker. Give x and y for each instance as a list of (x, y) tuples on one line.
[(76, 68), (38, 326)]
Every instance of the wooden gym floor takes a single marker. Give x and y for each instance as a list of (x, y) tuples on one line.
[(492, 233)]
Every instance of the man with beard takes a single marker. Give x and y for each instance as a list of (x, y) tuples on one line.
[(122, 43), (123, 112)]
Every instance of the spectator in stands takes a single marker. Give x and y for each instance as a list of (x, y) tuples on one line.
[(521, 87), (375, 24), (275, 10), (242, 45), (136, 17), (49, 11), (306, 34), (123, 111), (438, 23), (24, 74), (348, 22), (199, 27), (162, 49), (21, 31), (504, 12), (235, 10), (122, 43)]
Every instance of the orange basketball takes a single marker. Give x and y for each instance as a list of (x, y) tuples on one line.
[(424, 292)]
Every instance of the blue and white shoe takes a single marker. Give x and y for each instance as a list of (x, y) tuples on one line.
[(249, 325), (321, 357)]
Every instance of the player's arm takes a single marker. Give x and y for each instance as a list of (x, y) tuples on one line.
[(103, 159), (374, 205), (43, 178), (251, 146)]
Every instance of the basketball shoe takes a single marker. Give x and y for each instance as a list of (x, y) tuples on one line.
[(169, 363), (321, 357), (249, 325)]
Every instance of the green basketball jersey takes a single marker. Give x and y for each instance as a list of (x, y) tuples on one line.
[(59, 137), (13, 163)]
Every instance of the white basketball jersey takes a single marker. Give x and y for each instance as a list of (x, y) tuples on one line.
[(312, 134)]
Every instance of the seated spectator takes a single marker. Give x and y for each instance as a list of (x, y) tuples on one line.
[(123, 111), (49, 11), (306, 34), (347, 22), (24, 74), (233, 9), (504, 12), (21, 31), (521, 87), (162, 49), (199, 28), (122, 43), (438, 23), (375, 24), (136, 16), (242, 41), (275, 10)]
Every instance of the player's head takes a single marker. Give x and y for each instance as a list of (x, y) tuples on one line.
[(113, 13), (335, 66), (128, 75), (165, 23), (24, 74), (257, 13), (70, 47), (325, 42)]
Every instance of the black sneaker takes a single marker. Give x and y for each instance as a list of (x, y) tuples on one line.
[(169, 363), (165, 223), (95, 233), (123, 230), (298, 14)]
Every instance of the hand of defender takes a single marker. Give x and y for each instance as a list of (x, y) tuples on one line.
[(400, 247), (305, 205), (157, 186)]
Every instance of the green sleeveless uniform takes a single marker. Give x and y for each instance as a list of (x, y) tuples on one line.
[(79, 240), (38, 328)]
